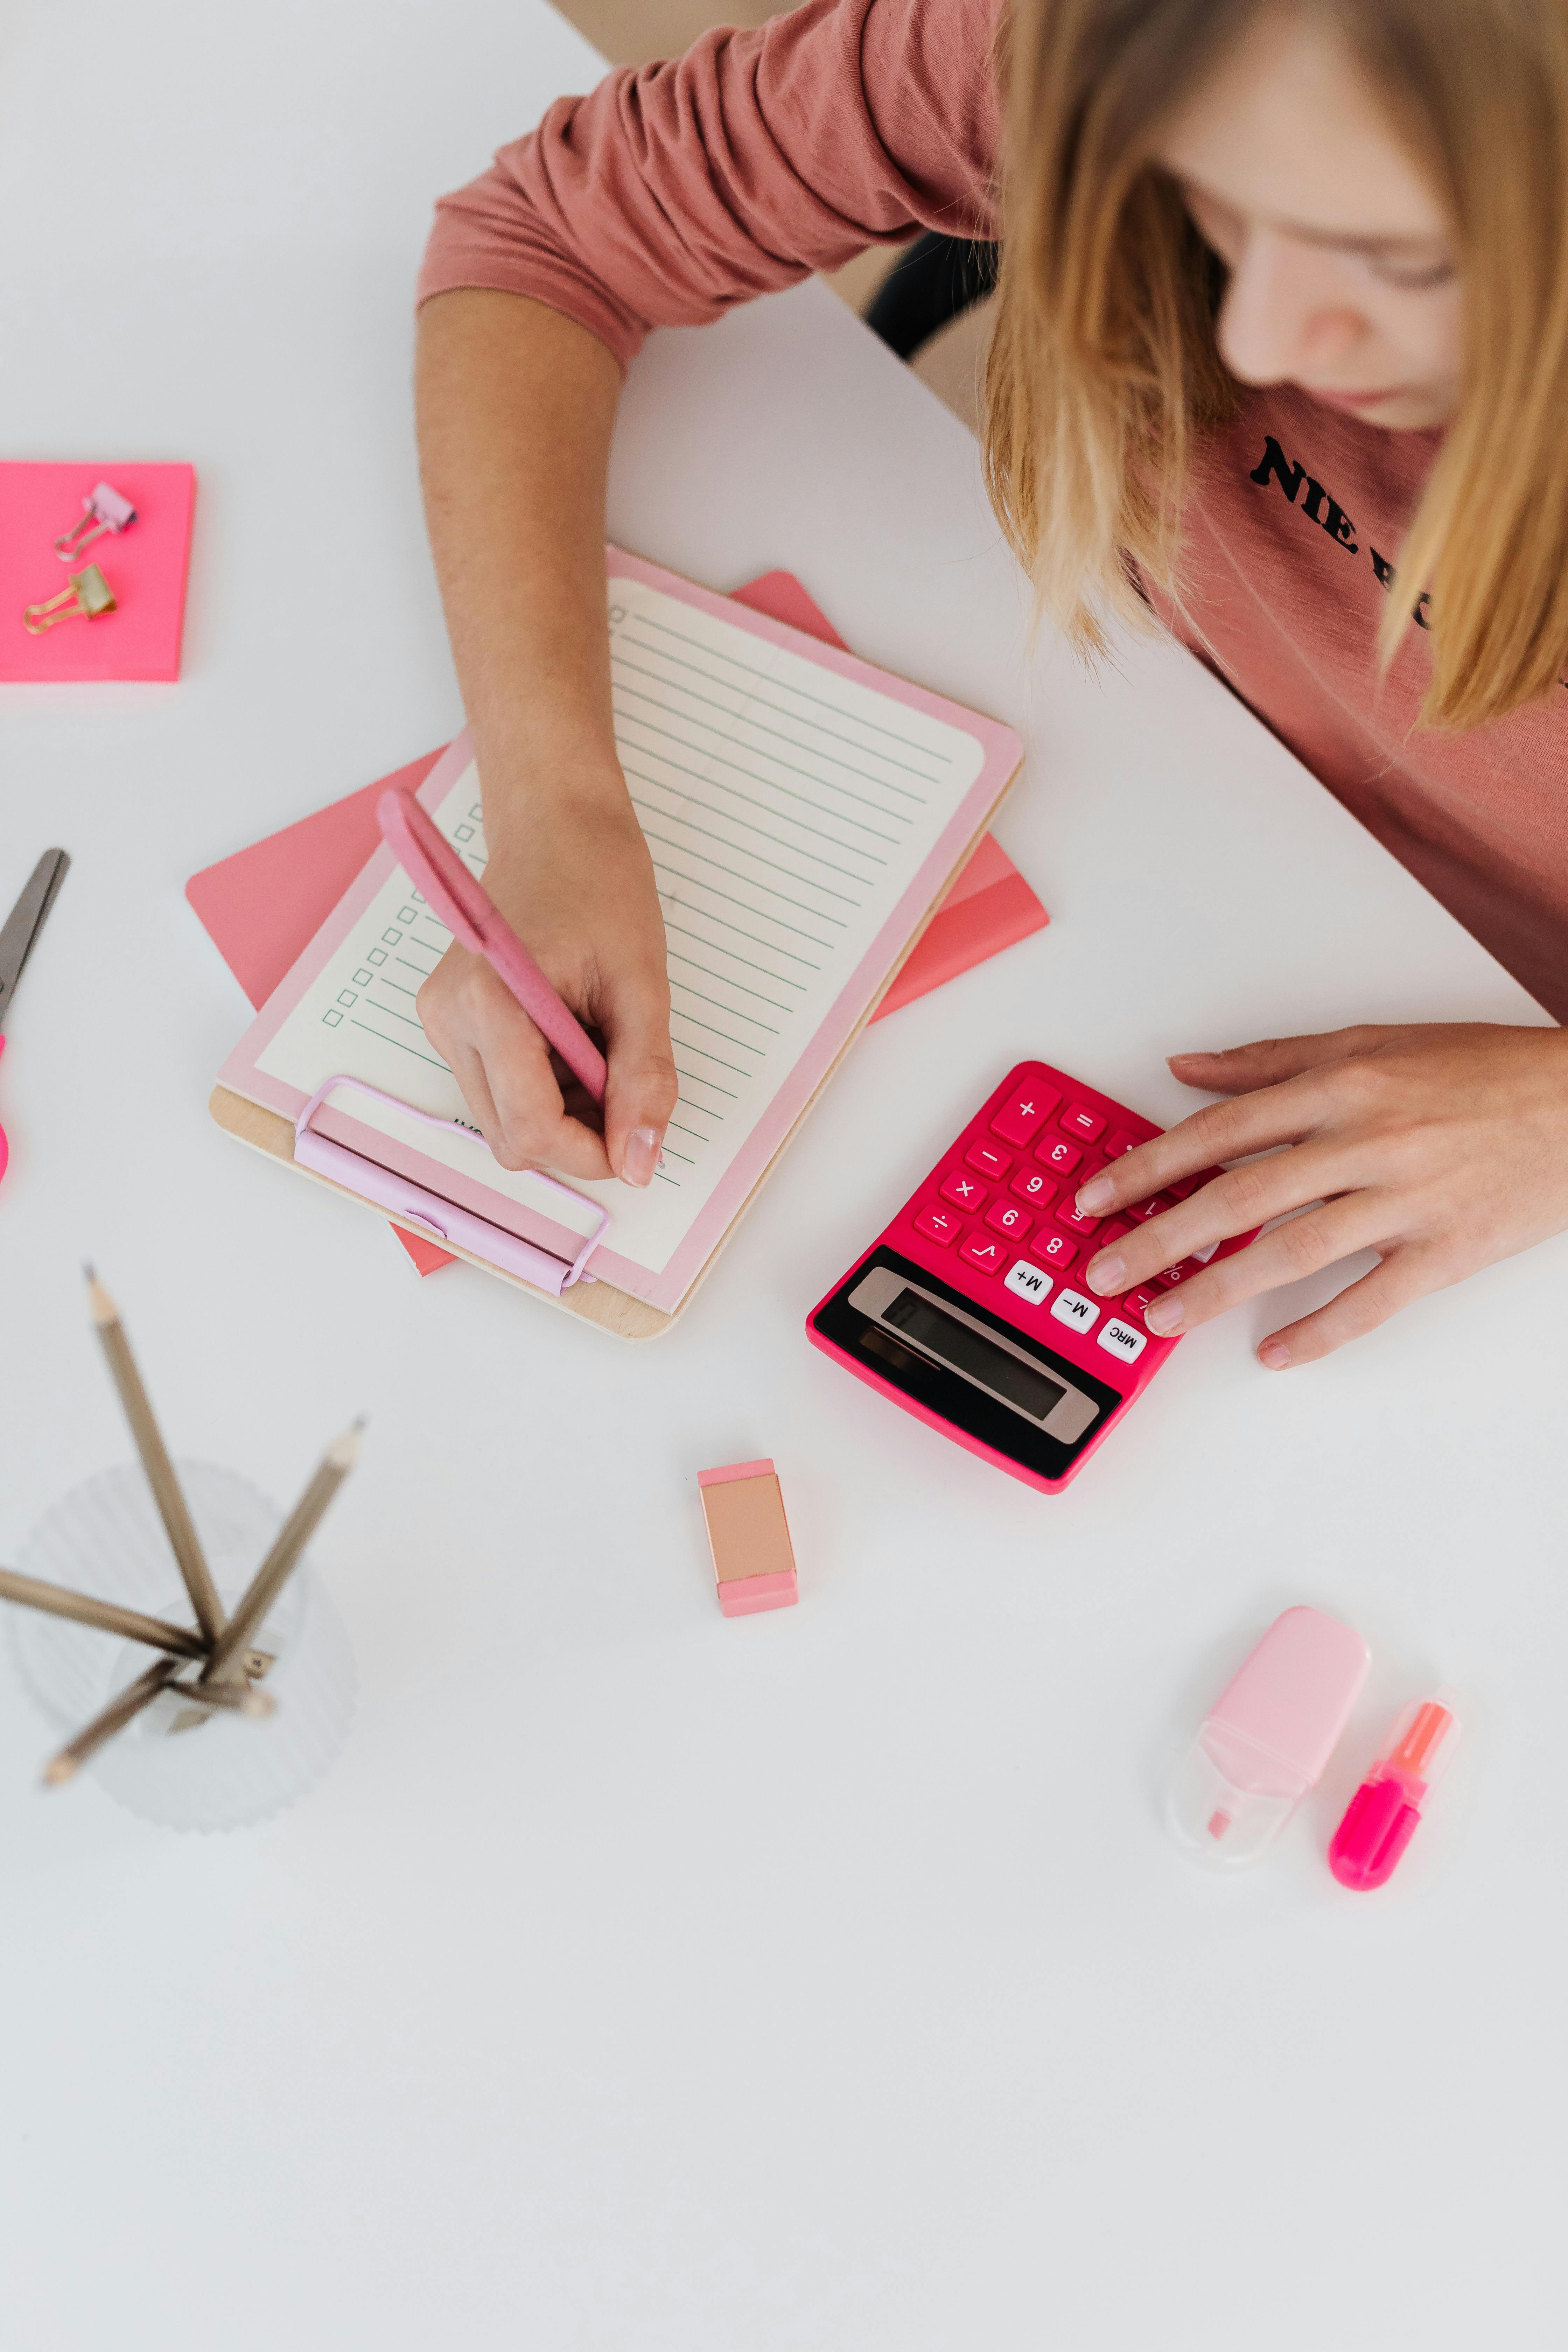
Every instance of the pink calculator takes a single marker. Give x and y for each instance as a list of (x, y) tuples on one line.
[(969, 1312)]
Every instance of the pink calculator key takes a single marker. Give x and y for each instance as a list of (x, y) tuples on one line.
[(939, 1225), (1056, 1251), (1183, 1270), (1144, 1210), (1030, 1185), (1004, 1218), (1118, 1142), (965, 1192), (1075, 1221), (1024, 1113), (1186, 1186), (1079, 1120), (1115, 1232), (1060, 1157), (988, 1160), (1134, 1303), (984, 1254)]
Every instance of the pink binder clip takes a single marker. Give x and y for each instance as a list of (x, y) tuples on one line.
[(103, 509), (444, 1218)]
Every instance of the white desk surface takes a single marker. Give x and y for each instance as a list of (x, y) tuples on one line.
[(640, 1979)]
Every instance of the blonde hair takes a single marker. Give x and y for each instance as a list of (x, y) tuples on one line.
[(1104, 376)]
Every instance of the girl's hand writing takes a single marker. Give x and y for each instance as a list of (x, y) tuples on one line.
[(579, 892), (1442, 1149)]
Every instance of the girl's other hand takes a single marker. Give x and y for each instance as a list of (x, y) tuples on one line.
[(1442, 1149), (579, 892)]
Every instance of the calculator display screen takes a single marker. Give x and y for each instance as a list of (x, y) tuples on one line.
[(954, 1343)]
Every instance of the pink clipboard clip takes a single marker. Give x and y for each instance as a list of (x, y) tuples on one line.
[(444, 1218), (462, 903)]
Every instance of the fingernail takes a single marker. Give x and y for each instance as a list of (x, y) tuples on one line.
[(1108, 1273), (1164, 1314), (1190, 1057), (1274, 1355), (1096, 1194), (641, 1155)]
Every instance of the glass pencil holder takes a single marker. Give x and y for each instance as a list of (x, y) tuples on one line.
[(186, 1768)]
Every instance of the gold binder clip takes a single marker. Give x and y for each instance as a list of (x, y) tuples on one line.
[(87, 595)]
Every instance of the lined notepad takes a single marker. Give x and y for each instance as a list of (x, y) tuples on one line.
[(802, 811)]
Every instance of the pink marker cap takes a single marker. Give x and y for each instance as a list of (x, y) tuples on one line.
[(1381, 1817), (1265, 1741)]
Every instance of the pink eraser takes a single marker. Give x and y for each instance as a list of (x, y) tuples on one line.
[(753, 1559)]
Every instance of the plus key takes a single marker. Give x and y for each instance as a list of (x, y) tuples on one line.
[(1024, 1114)]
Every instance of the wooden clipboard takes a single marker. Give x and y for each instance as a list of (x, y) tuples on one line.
[(616, 1311)]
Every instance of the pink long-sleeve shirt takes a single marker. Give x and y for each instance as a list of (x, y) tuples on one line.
[(669, 195)]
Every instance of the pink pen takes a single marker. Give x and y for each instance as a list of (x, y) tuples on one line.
[(465, 906), (1380, 1819)]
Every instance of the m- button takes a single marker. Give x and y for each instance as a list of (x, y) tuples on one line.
[(1024, 1113), (1080, 1314)]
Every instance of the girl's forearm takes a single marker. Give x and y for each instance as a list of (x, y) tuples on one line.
[(516, 406)]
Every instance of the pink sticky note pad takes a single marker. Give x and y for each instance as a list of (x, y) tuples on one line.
[(145, 565)]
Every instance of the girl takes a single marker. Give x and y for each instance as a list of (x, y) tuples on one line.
[(1280, 358)]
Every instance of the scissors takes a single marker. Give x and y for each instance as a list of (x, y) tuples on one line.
[(23, 924)]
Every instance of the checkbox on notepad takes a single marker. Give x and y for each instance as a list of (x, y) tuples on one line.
[(348, 996), (362, 977), (392, 938), (376, 955), (331, 1018), (464, 833), (406, 914)]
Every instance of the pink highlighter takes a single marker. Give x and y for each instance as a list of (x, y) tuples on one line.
[(1266, 1739), (1380, 1819)]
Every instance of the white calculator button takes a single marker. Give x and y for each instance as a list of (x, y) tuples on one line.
[(1078, 1313), (1119, 1339), (1028, 1281)]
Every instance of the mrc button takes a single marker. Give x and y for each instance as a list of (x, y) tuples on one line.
[(1119, 1338)]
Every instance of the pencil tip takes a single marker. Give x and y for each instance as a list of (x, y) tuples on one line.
[(102, 1306), (343, 1453)]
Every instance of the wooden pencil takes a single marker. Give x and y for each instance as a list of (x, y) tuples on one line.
[(115, 1717), (234, 1697), (32, 1592), (155, 1460), (225, 1664)]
